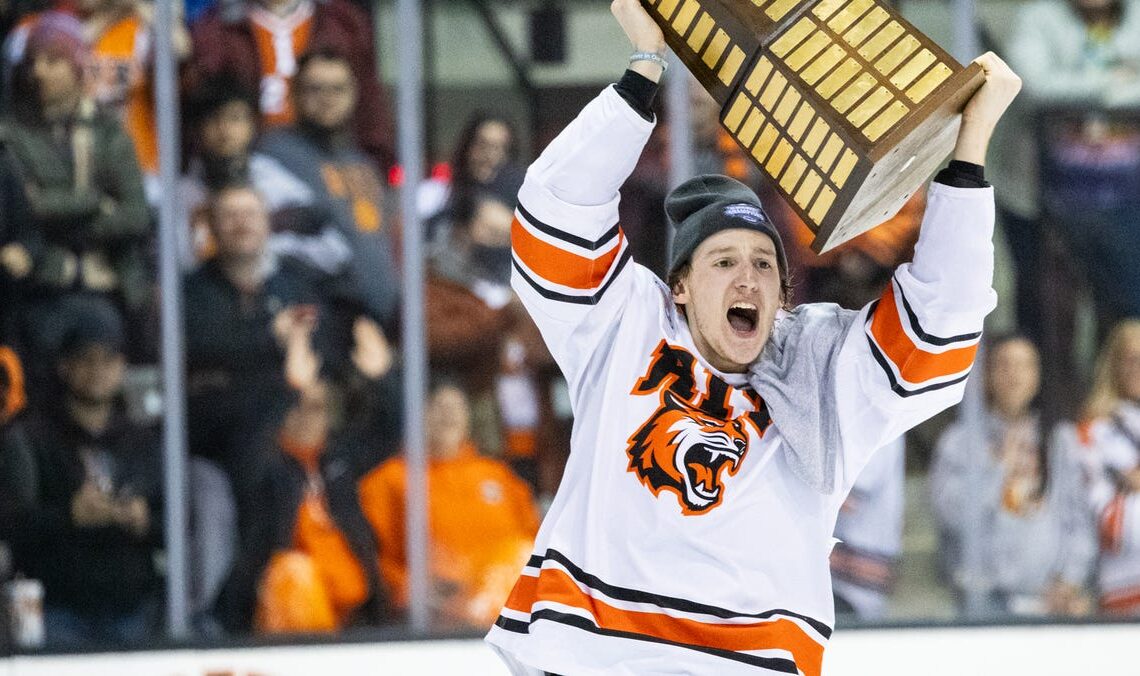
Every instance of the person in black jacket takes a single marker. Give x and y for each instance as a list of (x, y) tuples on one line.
[(94, 530), (235, 304)]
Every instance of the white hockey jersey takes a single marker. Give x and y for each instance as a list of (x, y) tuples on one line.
[(680, 541)]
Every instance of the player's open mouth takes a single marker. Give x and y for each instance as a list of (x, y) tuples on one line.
[(743, 317)]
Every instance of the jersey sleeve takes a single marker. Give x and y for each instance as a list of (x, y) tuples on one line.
[(908, 354), (572, 266)]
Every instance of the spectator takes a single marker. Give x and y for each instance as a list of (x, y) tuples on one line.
[(322, 571), (120, 33), (485, 156), (1069, 153), (260, 42), (1015, 529), (83, 185), (1107, 443), (310, 563), (236, 304), (96, 528), (224, 127), (321, 152), (481, 519), (476, 327), (864, 561)]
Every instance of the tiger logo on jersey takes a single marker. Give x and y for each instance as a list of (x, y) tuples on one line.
[(683, 450)]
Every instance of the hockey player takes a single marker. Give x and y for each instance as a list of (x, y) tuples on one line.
[(717, 433)]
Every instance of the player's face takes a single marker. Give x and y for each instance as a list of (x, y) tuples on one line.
[(731, 294)]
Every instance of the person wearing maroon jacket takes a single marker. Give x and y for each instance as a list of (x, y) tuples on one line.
[(259, 42)]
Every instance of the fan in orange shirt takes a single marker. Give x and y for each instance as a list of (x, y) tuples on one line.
[(481, 518)]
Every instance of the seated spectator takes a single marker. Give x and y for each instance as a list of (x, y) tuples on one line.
[(1107, 444), (477, 328), (82, 183), (95, 530), (348, 192), (481, 519), (224, 126), (485, 154), (869, 532), (235, 306), (312, 563), (260, 43), (120, 68), (1015, 530), (322, 571)]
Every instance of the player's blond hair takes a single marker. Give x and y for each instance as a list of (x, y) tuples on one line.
[(1104, 396)]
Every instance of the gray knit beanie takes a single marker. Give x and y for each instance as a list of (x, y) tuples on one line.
[(705, 205)]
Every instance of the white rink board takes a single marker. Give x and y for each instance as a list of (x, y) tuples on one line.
[(996, 651)]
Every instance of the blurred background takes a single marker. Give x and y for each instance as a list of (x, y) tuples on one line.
[(254, 296)]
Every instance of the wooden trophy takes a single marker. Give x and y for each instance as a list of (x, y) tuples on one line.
[(842, 103)]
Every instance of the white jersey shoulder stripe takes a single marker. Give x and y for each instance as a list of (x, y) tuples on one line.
[(585, 247), (565, 294)]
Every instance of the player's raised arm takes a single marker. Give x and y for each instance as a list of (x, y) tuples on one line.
[(914, 347), (572, 265)]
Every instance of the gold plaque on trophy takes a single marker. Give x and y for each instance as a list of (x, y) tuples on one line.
[(843, 104)]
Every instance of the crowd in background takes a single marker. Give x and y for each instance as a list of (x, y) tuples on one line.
[(288, 239)]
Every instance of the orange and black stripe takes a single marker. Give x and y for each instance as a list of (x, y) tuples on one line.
[(915, 361), (554, 589), (564, 267)]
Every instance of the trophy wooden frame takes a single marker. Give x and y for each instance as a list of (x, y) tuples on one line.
[(843, 104)]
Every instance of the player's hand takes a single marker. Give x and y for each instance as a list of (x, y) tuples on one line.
[(985, 108), (643, 33), (639, 27)]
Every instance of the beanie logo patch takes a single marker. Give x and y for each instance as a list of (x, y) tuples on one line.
[(746, 212)]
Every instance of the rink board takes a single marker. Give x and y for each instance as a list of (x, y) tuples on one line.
[(982, 651)]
